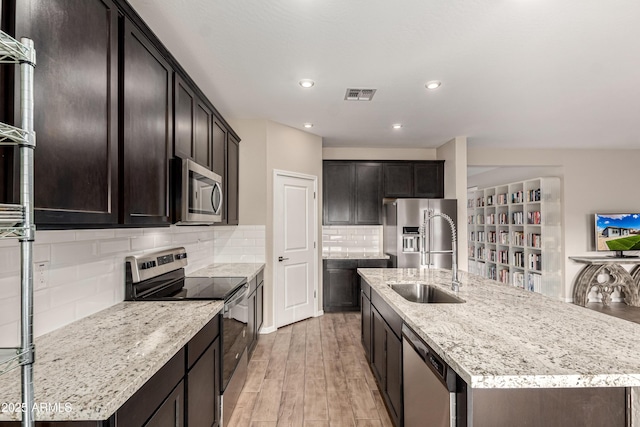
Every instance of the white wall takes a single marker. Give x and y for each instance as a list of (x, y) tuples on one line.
[(594, 181), (454, 153), (265, 146)]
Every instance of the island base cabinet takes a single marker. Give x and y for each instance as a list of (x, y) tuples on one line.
[(386, 363), (551, 407)]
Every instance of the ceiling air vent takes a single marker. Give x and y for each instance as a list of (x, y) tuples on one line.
[(359, 94)]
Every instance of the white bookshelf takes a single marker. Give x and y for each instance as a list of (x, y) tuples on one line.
[(514, 234)]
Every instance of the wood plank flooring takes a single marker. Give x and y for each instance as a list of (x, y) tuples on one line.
[(311, 374)]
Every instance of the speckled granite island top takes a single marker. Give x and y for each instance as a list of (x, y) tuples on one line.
[(88, 369), (248, 270), (505, 337)]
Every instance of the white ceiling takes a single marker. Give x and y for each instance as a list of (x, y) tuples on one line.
[(515, 73)]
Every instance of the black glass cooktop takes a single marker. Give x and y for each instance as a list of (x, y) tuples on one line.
[(211, 287)]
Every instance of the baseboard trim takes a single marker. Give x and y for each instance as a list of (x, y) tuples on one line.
[(319, 313), (267, 330)]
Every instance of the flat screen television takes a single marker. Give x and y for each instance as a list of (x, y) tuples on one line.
[(618, 233)]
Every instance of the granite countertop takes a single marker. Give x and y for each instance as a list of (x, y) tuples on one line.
[(248, 270), (89, 368), (506, 337), (355, 255)]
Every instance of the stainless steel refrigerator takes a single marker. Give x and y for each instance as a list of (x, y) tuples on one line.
[(402, 241)]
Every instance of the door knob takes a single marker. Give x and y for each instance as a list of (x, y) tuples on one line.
[(280, 259)]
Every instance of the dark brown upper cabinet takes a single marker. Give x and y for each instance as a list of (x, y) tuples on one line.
[(218, 147), (147, 130), (232, 177), (183, 119), (192, 121), (76, 110), (352, 193), (419, 179), (202, 137)]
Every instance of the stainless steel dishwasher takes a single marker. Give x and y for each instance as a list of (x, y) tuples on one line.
[(429, 385)]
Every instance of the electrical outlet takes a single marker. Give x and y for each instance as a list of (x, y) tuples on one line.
[(40, 275)]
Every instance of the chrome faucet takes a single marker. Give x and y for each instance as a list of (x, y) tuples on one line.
[(428, 214)]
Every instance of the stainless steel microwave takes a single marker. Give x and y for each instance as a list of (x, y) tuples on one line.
[(198, 194)]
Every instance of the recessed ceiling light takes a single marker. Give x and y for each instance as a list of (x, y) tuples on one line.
[(306, 83), (308, 125), (396, 126), (433, 84)]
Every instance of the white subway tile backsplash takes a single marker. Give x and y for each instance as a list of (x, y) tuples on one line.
[(95, 234), (345, 239), (114, 246), (11, 311), (9, 259), (52, 319), (86, 271), (74, 253), (10, 335), (140, 243)]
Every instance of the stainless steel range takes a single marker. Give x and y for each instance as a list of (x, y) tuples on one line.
[(160, 276)]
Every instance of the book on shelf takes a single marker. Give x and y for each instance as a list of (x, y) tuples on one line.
[(502, 198), (517, 218), (491, 236), (517, 197), (503, 218), (518, 279), (503, 275), (503, 256), (491, 218), (517, 238), (518, 259), (534, 282), (534, 217), (533, 195), (534, 240), (504, 237), (535, 261)]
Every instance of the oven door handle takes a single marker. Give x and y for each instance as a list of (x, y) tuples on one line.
[(236, 298)]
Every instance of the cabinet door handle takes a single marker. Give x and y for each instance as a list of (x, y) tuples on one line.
[(280, 259)]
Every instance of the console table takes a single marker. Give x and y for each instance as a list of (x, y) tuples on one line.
[(619, 277)]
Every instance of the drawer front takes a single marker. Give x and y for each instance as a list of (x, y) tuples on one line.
[(341, 263), (392, 318), (201, 341)]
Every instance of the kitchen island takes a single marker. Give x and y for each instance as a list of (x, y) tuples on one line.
[(504, 337)]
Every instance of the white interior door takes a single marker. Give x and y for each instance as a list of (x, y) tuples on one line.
[(294, 247)]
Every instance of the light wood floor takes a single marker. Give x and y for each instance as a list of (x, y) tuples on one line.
[(311, 374)]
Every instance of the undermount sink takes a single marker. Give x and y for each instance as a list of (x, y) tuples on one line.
[(424, 294)]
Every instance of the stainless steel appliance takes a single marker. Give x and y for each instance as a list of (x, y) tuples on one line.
[(159, 276), (197, 193), (429, 385), (402, 238)]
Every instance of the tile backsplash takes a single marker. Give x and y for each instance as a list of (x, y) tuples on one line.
[(83, 270), (354, 239)]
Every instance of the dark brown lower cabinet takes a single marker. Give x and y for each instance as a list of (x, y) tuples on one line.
[(255, 317), (341, 283), (203, 389), (171, 412), (383, 336), (365, 310), (154, 395)]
